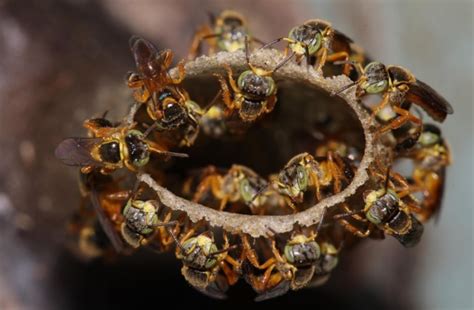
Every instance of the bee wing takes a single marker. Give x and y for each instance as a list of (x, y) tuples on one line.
[(429, 100), (281, 289), (339, 36), (340, 42), (437, 205), (77, 151), (142, 51), (105, 222), (213, 290)]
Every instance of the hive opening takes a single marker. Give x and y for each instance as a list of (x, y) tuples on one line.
[(304, 116)]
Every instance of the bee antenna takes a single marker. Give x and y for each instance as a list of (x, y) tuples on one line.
[(387, 179), (320, 224), (344, 88), (247, 50), (284, 61), (178, 244), (212, 17), (271, 43), (135, 189), (223, 250), (149, 130), (348, 214), (213, 101), (260, 191)]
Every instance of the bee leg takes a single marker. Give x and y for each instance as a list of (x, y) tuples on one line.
[(404, 117), (355, 216), (271, 101), (252, 256), (290, 204), (380, 106), (119, 196), (202, 188), (276, 253), (223, 203), (340, 56), (335, 173), (87, 169), (181, 73), (141, 95), (231, 275), (203, 33), (314, 178), (232, 82), (322, 59), (354, 230), (226, 95)]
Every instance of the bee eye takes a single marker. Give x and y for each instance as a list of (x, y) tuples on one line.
[(315, 44), (241, 81), (289, 253), (110, 152), (246, 190), (302, 177), (271, 86), (428, 138), (377, 87), (137, 148)]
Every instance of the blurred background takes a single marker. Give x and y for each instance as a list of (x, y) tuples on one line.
[(64, 61)]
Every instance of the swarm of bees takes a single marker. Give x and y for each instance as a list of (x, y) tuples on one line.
[(119, 215)]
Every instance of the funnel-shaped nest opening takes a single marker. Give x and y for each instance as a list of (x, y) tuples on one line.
[(305, 117)]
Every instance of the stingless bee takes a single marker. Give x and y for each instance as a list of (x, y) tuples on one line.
[(238, 184), (304, 171), (397, 85), (206, 268), (295, 267), (110, 148), (105, 196), (386, 209), (141, 224), (253, 94), (314, 39), (431, 156), (152, 66), (228, 34), (173, 110)]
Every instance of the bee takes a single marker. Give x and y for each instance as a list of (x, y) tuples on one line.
[(206, 268), (110, 148), (431, 156), (314, 39), (141, 224), (105, 196), (152, 66), (304, 171), (213, 122), (226, 33), (238, 184), (406, 136), (253, 94), (295, 267), (341, 150), (91, 241), (397, 85), (328, 261), (173, 110), (386, 209)]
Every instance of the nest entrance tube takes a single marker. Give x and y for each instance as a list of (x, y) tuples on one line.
[(303, 98)]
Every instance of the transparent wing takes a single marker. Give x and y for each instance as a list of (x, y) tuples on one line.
[(105, 222), (77, 151), (429, 100)]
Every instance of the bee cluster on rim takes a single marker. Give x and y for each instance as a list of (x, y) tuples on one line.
[(216, 150)]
